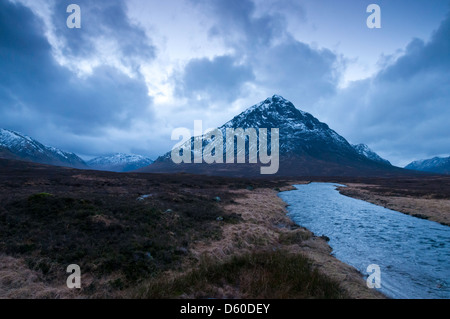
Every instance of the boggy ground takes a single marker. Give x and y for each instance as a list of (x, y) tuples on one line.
[(188, 237), (53, 217)]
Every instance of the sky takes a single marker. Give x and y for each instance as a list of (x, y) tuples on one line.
[(138, 69)]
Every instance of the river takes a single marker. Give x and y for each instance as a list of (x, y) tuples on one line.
[(413, 254)]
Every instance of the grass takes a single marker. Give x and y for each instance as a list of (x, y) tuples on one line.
[(111, 236), (260, 275), (294, 237), (52, 217)]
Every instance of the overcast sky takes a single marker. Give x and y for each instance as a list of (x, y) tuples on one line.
[(137, 69)]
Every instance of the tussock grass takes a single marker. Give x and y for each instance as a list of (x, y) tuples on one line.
[(19, 282), (294, 237), (265, 274)]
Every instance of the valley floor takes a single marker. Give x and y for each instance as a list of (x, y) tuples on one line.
[(162, 236)]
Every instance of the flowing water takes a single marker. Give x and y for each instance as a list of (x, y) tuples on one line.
[(413, 254)]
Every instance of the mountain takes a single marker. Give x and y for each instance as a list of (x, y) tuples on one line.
[(119, 162), (364, 150), (14, 145), (434, 165), (307, 147)]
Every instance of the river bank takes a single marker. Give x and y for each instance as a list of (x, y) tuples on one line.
[(411, 253), (266, 227), (418, 205)]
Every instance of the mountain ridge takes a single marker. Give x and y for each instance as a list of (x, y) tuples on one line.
[(18, 146), (307, 146), (440, 165), (364, 149)]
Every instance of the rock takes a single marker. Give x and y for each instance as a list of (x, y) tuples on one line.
[(325, 237), (148, 256), (182, 250), (143, 197)]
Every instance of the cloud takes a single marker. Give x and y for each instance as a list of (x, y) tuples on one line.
[(46, 100), (220, 78), (86, 87), (106, 35), (236, 21), (258, 36), (295, 69), (403, 110)]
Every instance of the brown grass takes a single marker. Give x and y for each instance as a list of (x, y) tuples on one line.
[(262, 274), (421, 206), (17, 281)]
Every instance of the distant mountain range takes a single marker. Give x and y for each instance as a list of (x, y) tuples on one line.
[(434, 165), (119, 162), (14, 145), (308, 147)]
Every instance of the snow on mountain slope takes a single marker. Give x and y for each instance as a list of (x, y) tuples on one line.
[(23, 147), (119, 162), (364, 150), (306, 145), (434, 165), (300, 132)]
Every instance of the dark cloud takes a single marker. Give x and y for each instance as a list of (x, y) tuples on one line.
[(220, 78), (236, 22), (421, 57), (294, 69), (37, 93), (281, 64), (102, 21), (403, 110)]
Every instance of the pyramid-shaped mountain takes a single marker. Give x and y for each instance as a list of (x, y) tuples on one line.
[(307, 147)]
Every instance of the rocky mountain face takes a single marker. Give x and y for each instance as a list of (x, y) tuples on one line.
[(119, 162), (14, 145), (364, 150), (434, 165), (307, 147)]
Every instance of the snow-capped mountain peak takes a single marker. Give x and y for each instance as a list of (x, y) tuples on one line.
[(306, 145), (20, 146), (434, 165), (299, 130), (364, 150), (11, 139)]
